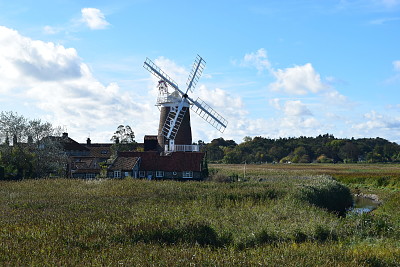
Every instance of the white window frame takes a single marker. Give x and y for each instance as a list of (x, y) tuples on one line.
[(142, 174), (117, 174), (159, 173), (187, 174)]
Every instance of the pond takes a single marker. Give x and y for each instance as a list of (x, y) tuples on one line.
[(364, 205)]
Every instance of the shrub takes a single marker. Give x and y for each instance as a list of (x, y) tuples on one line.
[(325, 192), (165, 233)]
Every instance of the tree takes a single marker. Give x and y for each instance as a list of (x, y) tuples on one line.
[(123, 135), (33, 152), (349, 152), (14, 125), (124, 139)]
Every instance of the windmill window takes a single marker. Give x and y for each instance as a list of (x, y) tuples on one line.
[(159, 174), (187, 174)]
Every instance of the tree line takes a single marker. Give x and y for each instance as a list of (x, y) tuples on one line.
[(321, 149), (28, 148), (33, 149)]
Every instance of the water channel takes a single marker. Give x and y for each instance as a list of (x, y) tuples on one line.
[(364, 205)]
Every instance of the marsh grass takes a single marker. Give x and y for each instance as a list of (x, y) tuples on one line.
[(277, 217)]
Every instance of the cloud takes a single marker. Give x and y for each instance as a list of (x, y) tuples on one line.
[(296, 108), (259, 60), (298, 80), (50, 30), (396, 65), (378, 122), (54, 79), (94, 18), (388, 3), (382, 21)]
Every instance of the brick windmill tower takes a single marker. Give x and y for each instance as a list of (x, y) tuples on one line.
[(174, 132)]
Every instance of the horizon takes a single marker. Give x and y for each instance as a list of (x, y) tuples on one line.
[(276, 69)]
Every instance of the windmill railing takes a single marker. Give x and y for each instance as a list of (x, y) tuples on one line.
[(182, 148), (166, 99)]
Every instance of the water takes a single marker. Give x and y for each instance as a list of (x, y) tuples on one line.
[(363, 205)]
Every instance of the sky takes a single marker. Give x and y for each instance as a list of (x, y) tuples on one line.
[(273, 68)]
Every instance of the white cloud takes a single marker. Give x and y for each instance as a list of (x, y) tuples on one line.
[(259, 60), (94, 18), (50, 30), (298, 80), (396, 65), (54, 79), (296, 108), (333, 97), (378, 123)]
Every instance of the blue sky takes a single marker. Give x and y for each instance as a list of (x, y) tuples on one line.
[(274, 68)]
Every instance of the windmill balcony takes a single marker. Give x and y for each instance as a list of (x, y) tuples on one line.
[(182, 148), (167, 99)]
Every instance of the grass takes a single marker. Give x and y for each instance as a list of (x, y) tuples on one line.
[(282, 215)]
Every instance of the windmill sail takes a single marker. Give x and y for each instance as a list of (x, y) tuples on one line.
[(209, 115), (156, 71), (173, 122), (197, 70)]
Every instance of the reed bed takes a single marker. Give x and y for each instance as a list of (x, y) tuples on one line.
[(284, 218)]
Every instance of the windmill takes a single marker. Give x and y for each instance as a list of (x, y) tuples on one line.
[(174, 132)]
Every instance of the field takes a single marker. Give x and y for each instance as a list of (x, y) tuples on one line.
[(291, 215)]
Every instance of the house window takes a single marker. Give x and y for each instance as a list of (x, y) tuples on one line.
[(117, 174), (159, 173), (90, 175), (127, 174), (187, 174), (142, 174)]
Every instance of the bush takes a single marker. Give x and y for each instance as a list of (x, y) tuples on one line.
[(165, 233), (325, 192)]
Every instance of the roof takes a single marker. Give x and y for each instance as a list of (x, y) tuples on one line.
[(84, 164), (177, 161), (124, 163), (99, 150), (68, 143)]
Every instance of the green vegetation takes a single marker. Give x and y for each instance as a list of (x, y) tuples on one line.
[(321, 149), (32, 152), (276, 215)]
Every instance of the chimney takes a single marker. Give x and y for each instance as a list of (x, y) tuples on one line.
[(88, 141), (65, 135)]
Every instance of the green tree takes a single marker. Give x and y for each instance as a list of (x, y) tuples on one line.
[(33, 153)]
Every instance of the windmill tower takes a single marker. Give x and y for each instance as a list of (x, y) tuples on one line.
[(174, 132)]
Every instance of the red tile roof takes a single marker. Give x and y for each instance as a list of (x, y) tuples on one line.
[(124, 163)]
